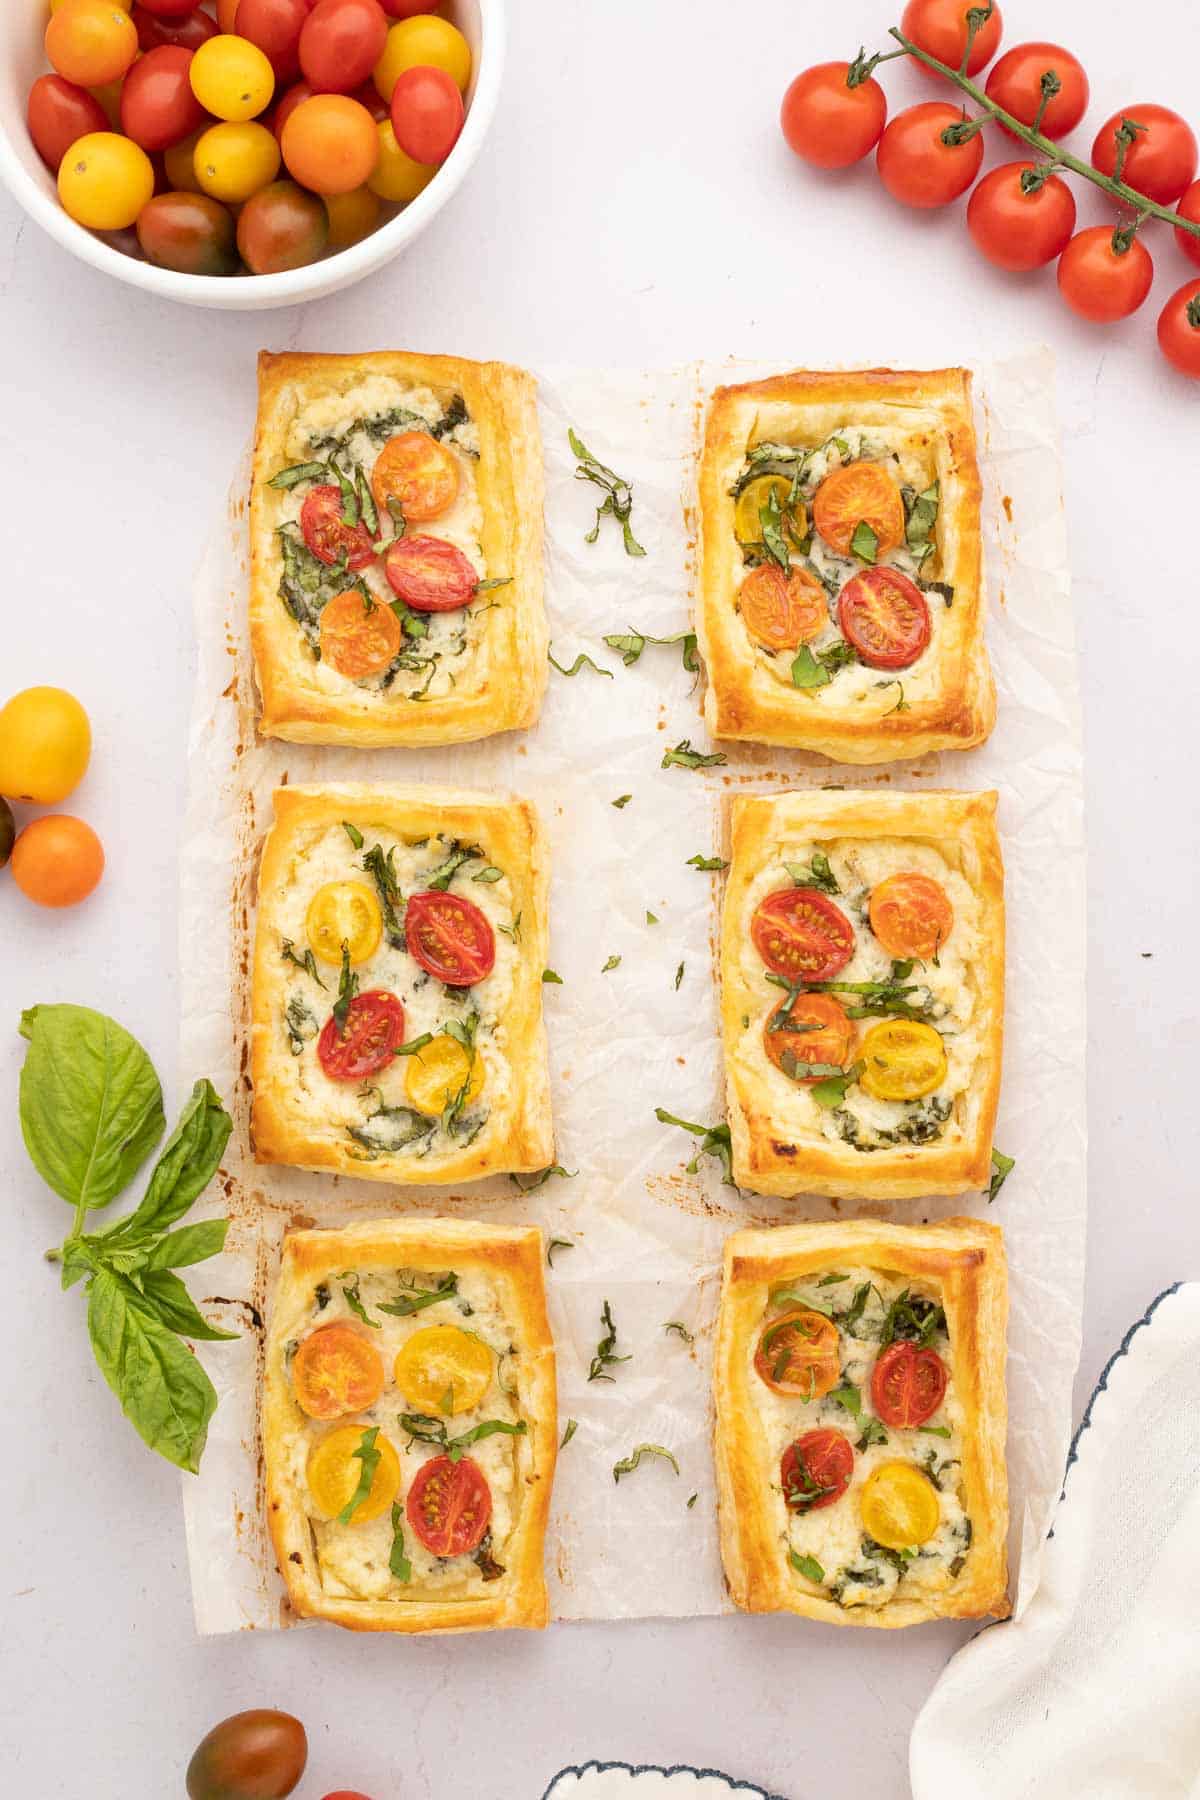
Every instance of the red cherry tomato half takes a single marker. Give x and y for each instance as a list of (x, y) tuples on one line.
[(1189, 208), (450, 938), (815, 1471), (907, 1385), (1015, 83), (916, 167), (885, 617), (1101, 283), (325, 532), (802, 935), (427, 114), (1179, 329), (60, 113), (340, 44), (429, 574), (194, 29), (367, 1042), (1161, 160), (169, 9), (450, 1505), (158, 107), (274, 25), (939, 27), (828, 123), (1016, 229)]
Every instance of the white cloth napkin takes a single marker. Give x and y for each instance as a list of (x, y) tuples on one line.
[(1094, 1694)]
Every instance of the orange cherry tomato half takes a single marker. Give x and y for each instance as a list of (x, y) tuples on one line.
[(158, 107), (1015, 83), (1179, 329), (326, 532), (450, 938), (190, 31), (1161, 160), (430, 575), (57, 860), (417, 472), (450, 1505), (1100, 282), (60, 113), (367, 1042), (828, 123), (916, 166), (1016, 229), (815, 1029), (885, 617), (939, 27), (336, 1371), (340, 43), (1189, 208), (907, 1385), (815, 1471), (358, 640), (910, 914), (802, 935), (859, 493), (427, 113), (798, 1355), (260, 1754), (330, 143), (782, 611)]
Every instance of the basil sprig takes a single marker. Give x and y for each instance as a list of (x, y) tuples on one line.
[(582, 661), (818, 874)]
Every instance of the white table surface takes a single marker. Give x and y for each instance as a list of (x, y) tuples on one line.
[(635, 205)]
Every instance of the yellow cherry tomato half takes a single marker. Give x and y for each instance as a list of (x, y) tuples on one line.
[(352, 216), (91, 42), (902, 1060), (45, 743), (232, 78), (179, 160), (104, 181), (344, 912), (444, 1370), (435, 1075), (397, 177), (747, 523), (234, 161), (899, 1506), (334, 1472), (426, 42)]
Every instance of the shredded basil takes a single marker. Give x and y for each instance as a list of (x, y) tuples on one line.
[(398, 1564), (715, 1141), (630, 644), (606, 1349), (307, 962), (569, 1433), (542, 1177), (680, 1330), (369, 1457), (1002, 1168), (818, 874), (557, 1244), (629, 1463), (808, 1566), (684, 757), (419, 1298), (350, 1280), (618, 495), (709, 864), (582, 661)]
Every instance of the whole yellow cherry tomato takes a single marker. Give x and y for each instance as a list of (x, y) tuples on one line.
[(232, 78), (397, 177), (899, 1505), (444, 1370), (344, 912), (180, 163), (435, 1075), (91, 42), (104, 181), (903, 1060), (231, 162), (424, 41), (334, 1472), (352, 216), (45, 743), (747, 523)]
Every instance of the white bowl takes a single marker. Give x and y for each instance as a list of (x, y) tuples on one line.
[(22, 60)]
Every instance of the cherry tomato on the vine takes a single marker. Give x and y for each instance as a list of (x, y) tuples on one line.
[(828, 122), (427, 114), (939, 27), (282, 227), (194, 29), (1188, 207), (1100, 281), (1015, 83), (341, 43), (1016, 229), (59, 114), (264, 1748), (1161, 160), (158, 106), (916, 166), (1179, 329)]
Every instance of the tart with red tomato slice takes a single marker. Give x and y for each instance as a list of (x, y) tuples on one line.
[(862, 978), (860, 1402), (409, 1425), (396, 549), (840, 604), (397, 1018)]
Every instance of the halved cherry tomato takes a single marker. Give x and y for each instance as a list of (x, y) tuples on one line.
[(340, 44), (335, 1469), (327, 534), (91, 42), (429, 574), (274, 25), (939, 27), (261, 1753), (336, 1370), (427, 114), (907, 1385), (1189, 208), (330, 144), (1161, 160), (443, 1369), (815, 1471), (916, 166), (859, 493), (59, 114), (801, 934), (885, 617), (798, 1355), (367, 1042), (57, 860), (829, 123), (417, 472), (358, 638), (280, 227), (1015, 83), (1101, 282), (1179, 329), (910, 914), (434, 1076), (158, 106), (450, 938), (900, 1507), (190, 31), (188, 232), (343, 912), (782, 611), (450, 1505), (903, 1059), (747, 514), (1016, 229), (817, 1031)]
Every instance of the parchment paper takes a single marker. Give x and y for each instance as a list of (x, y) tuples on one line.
[(647, 1234)]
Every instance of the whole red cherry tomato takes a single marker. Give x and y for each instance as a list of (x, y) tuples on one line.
[(287, 104), (274, 25), (828, 122), (59, 114), (340, 44), (1015, 83), (1160, 161), (407, 9), (1189, 208), (916, 166), (939, 27), (427, 114), (169, 9), (1101, 282), (189, 32), (158, 106), (1179, 329), (1020, 229)]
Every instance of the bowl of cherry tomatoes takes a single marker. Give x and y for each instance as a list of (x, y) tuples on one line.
[(243, 153)]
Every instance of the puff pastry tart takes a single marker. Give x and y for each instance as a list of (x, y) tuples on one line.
[(861, 1419), (862, 992), (397, 994), (396, 549), (839, 605), (409, 1425)]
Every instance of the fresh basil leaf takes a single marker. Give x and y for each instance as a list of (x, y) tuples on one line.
[(651, 918), (865, 542), (569, 1433), (614, 962), (684, 757), (189, 1160), (832, 1092), (440, 879), (922, 512), (488, 875), (942, 1431), (771, 523), (347, 989), (818, 874), (629, 1463), (872, 1433), (167, 1299), (807, 672), (557, 1244), (349, 513), (583, 660), (808, 1566), (369, 1457), (680, 1330), (351, 1281), (457, 1447), (398, 1564), (606, 1348), (353, 833), (692, 1499), (190, 1244), (1002, 1168), (832, 1280), (512, 931), (542, 1177), (715, 1141), (382, 870), (162, 1388), (290, 478), (307, 962), (366, 501), (630, 645), (848, 1397), (708, 863), (419, 1299), (414, 1045)]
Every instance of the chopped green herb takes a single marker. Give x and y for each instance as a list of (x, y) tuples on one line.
[(614, 962), (426, 1429), (528, 1186), (489, 875), (552, 978), (350, 1279), (419, 1298), (679, 976), (414, 1045), (583, 660), (715, 1141), (651, 918), (942, 1431), (832, 1091), (618, 495), (1002, 1168), (629, 1463), (848, 1397), (398, 1563), (557, 1244), (808, 1566), (684, 757), (622, 800), (818, 874), (512, 931), (680, 1330), (922, 512), (307, 962), (692, 1499), (382, 870), (290, 478), (630, 645), (865, 542), (606, 1348), (369, 1456), (347, 989), (353, 833), (872, 1433), (569, 1433), (709, 864)]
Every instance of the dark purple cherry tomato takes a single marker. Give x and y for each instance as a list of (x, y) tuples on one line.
[(189, 32), (282, 227), (189, 233), (158, 107), (251, 1756), (59, 114), (8, 831)]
